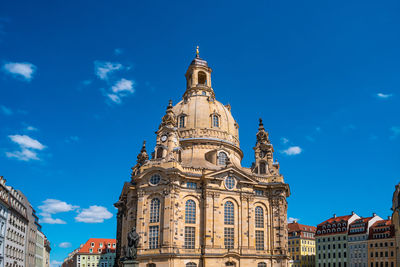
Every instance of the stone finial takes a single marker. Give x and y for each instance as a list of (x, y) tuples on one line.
[(169, 117), (197, 52), (143, 156)]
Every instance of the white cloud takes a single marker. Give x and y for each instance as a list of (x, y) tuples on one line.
[(284, 140), (395, 132), (24, 155), (31, 128), (50, 220), (65, 245), (26, 141), (94, 214), (293, 150), (291, 219), (123, 86), (22, 69), (103, 69), (114, 98), (53, 206), (27, 145), (55, 263), (6, 110), (118, 51), (384, 96)]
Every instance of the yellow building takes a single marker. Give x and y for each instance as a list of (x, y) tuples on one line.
[(193, 203), (301, 244), (382, 244)]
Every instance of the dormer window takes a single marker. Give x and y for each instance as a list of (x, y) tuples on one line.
[(92, 244), (181, 121), (215, 120), (263, 168)]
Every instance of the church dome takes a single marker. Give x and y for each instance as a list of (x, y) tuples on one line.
[(200, 116)]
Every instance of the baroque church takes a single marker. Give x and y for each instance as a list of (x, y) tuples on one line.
[(192, 203)]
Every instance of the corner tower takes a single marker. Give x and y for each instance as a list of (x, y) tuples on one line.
[(193, 203)]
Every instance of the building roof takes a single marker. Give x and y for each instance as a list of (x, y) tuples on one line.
[(382, 229), (335, 219), (98, 246), (361, 224), (334, 226), (296, 227)]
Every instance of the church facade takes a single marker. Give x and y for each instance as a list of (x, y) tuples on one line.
[(192, 203)]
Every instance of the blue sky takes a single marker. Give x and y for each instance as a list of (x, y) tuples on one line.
[(82, 83)]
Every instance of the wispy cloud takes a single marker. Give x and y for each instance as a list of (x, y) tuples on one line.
[(27, 146), (94, 214), (6, 111), (291, 151), (31, 129), (23, 70), (118, 51), (383, 96), (291, 219), (395, 132), (120, 89), (54, 206), (55, 263), (104, 68), (284, 140), (65, 245)]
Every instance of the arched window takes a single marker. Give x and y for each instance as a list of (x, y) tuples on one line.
[(202, 78), (222, 157), (181, 121), (230, 263), (259, 217), (155, 210), (215, 120), (191, 264), (229, 213), (159, 153), (261, 264), (263, 168), (190, 211)]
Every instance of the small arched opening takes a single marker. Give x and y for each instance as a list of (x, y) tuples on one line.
[(263, 168), (202, 78), (159, 154)]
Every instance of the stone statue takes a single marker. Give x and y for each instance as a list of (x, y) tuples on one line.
[(133, 243)]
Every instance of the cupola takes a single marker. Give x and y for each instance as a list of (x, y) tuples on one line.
[(198, 78)]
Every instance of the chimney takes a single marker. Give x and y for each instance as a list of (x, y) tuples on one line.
[(389, 218), (334, 215), (373, 214), (352, 213)]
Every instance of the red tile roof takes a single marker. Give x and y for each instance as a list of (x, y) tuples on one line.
[(333, 230), (98, 243), (382, 229), (296, 227), (336, 219)]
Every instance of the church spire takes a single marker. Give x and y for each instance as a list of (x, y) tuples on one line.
[(142, 157)]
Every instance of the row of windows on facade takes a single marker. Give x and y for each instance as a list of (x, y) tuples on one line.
[(304, 249), (15, 237), (190, 218), (14, 253), (333, 246), (333, 230), (92, 257), (17, 223), (306, 242), (328, 255), (215, 121), (381, 244), (381, 254), (329, 239), (377, 264), (304, 258)]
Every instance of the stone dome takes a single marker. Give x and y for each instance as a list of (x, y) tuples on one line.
[(206, 118)]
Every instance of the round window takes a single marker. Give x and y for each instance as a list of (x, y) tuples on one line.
[(155, 179), (230, 182)]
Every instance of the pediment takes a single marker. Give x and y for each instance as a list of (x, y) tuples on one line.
[(241, 176)]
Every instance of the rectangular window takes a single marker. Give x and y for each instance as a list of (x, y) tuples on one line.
[(259, 240), (181, 122), (258, 192), (190, 234), (153, 236), (191, 185), (229, 237)]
